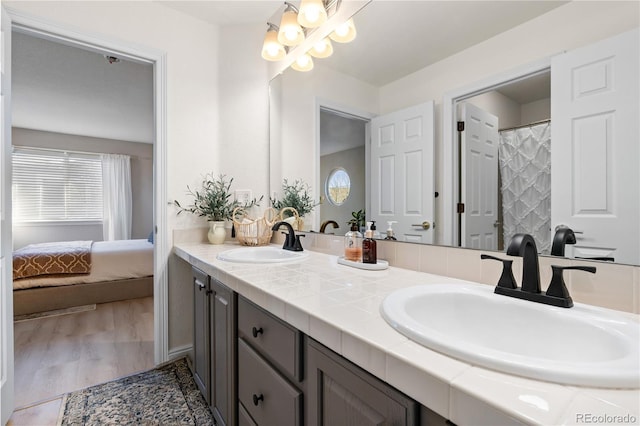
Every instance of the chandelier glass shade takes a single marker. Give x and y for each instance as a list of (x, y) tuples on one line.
[(272, 50), (290, 32), (322, 49), (304, 62), (344, 33), (312, 13)]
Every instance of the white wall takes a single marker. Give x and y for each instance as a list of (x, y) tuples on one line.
[(243, 133), (191, 48), (535, 111), (506, 109)]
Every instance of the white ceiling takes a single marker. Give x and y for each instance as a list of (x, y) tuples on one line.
[(70, 90)]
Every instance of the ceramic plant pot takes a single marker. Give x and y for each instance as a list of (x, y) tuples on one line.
[(217, 234)]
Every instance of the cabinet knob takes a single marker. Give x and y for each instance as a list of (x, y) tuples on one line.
[(256, 331), (257, 399)]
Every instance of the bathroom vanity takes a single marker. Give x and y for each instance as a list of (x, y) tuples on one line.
[(304, 343)]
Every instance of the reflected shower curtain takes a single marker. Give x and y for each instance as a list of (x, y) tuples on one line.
[(525, 166), (116, 189)]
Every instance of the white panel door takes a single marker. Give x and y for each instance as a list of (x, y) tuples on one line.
[(480, 178), (595, 147), (402, 172), (6, 293)]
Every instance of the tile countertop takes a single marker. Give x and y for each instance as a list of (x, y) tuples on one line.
[(339, 306)]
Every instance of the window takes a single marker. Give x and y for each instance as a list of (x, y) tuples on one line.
[(338, 186), (50, 185)]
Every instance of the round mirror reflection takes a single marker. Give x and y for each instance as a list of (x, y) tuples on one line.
[(338, 186)]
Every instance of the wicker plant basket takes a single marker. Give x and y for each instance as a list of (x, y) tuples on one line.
[(254, 232), (295, 220)]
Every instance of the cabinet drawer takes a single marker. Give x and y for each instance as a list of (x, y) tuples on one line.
[(266, 395), (276, 340), (244, 419)]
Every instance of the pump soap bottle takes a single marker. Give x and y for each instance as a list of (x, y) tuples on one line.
[(353, 245), (369, 249), (390, 235)]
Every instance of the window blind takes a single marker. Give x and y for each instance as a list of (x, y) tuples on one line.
[(51, 185)]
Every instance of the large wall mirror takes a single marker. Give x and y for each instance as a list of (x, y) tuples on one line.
[(321, 120)]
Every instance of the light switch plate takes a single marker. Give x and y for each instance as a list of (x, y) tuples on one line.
[(243, 196)]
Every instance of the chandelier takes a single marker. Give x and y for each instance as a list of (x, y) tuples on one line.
[(294, 26)]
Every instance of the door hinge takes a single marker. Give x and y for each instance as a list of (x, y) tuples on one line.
[(460, 208), (461, 126)]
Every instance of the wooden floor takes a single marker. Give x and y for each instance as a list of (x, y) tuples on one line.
[(56, 355)]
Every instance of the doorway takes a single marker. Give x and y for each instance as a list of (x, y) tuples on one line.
[(161, 250), (505, 164), (342, 169), (484, 94)]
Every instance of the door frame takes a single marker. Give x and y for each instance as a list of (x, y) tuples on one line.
[(338, 108), (450, 182), (61, 33)]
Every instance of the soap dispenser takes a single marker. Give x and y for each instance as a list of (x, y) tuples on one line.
[(376, 234), (369, 249), (390, 235), (353, 244)]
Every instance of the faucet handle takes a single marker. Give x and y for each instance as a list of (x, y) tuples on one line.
[(297, 246), (506, 279), (557, 287)]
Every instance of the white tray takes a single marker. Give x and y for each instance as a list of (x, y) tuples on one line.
[(382, 264)]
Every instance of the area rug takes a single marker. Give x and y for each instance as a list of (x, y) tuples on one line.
[(166, 395)]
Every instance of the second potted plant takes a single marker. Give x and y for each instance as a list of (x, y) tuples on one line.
[(298, 196)]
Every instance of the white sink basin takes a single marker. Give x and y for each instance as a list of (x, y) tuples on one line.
[(582, 345), (263, 254)]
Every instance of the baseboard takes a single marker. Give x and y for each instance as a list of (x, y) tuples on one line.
[(180, 351)]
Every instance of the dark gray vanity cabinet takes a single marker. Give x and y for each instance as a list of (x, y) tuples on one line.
[(214, 344), (201, 332), (341, 393), (270, 369), (255, 369)]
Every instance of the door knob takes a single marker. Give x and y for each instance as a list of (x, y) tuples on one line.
[(424, 225)]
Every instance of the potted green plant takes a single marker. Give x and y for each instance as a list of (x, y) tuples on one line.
[(213, 200), (296, 195), (357, 220)]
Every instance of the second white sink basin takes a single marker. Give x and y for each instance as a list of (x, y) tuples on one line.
[(262, 254), (582, 345)]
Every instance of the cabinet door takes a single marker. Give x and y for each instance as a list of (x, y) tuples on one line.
[(223, 353), (340, 393), (201, 332)]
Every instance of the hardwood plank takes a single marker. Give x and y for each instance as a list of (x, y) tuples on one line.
[(56, 355)]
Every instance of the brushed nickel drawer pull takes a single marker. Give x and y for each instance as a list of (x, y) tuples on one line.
[(257, 399), (256, 331)]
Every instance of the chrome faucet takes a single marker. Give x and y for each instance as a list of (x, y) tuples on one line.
[(524, 245), (292, 241), (328, 222)]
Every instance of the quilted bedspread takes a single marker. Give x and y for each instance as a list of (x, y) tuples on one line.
[(58, 258)]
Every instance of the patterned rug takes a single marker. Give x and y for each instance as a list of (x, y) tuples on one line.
[(166, 395)]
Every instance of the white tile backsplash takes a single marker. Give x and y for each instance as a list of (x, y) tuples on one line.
[(613, 286)]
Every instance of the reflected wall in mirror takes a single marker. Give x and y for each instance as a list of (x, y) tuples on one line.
[(522, 33)]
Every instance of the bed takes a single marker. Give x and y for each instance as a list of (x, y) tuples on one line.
[(53, 276)]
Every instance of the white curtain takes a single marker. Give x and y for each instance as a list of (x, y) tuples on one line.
[(525, 167), (116, 187)]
